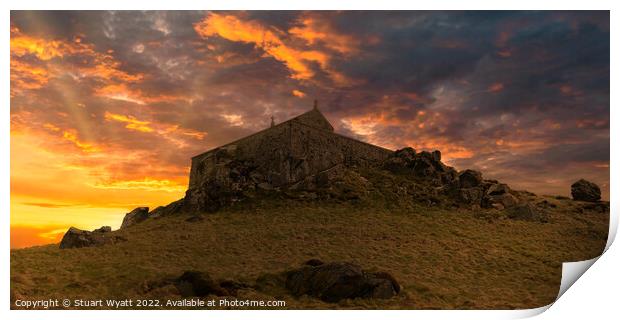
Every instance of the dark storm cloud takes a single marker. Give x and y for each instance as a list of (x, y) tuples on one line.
[(502, 91)]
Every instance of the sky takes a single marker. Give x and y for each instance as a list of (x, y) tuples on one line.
[(107, 108)]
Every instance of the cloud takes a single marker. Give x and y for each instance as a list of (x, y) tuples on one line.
[(167, 131), (317, 29), (47, 205), (71, 136), (302, 62), (53, 60), (27, 236), (147, 184), (132, 123), (496, 87), (298, 93)]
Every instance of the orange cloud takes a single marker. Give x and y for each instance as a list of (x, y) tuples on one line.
[(165, 130), (424, 127), (26, 236), (234, 29), (272, 41), (132, 123), (71, 135), (521, 145), (495, 87), (298, 93), (234, 119), (449, 150), (315, 29), (592, 123), (369, 127), (51, 127), (148, 184), (122, 92), (26, 75), (505, 53), (44, 50)]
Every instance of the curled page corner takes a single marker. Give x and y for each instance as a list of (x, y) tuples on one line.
[(571, 271)]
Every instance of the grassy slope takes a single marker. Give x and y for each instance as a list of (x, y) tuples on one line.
[(442, 258)]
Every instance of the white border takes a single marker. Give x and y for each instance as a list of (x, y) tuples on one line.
[(592, 295)]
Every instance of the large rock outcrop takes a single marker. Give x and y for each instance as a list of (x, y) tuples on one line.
[(232, 178), (467, 188), (136, 216), (584, 190), (425, 165), (333, 282), (76, 238), (171, 208)]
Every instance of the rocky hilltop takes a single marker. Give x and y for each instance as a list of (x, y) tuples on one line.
[(404, 178)]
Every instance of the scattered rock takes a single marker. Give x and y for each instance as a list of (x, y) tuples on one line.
[(76, 238), (526, 212), (136, 216), (584, 190), (469, 178), (333, 282), (507, 200), (199, 284)]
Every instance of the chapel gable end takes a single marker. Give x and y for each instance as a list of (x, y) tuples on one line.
[(314, 118)]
